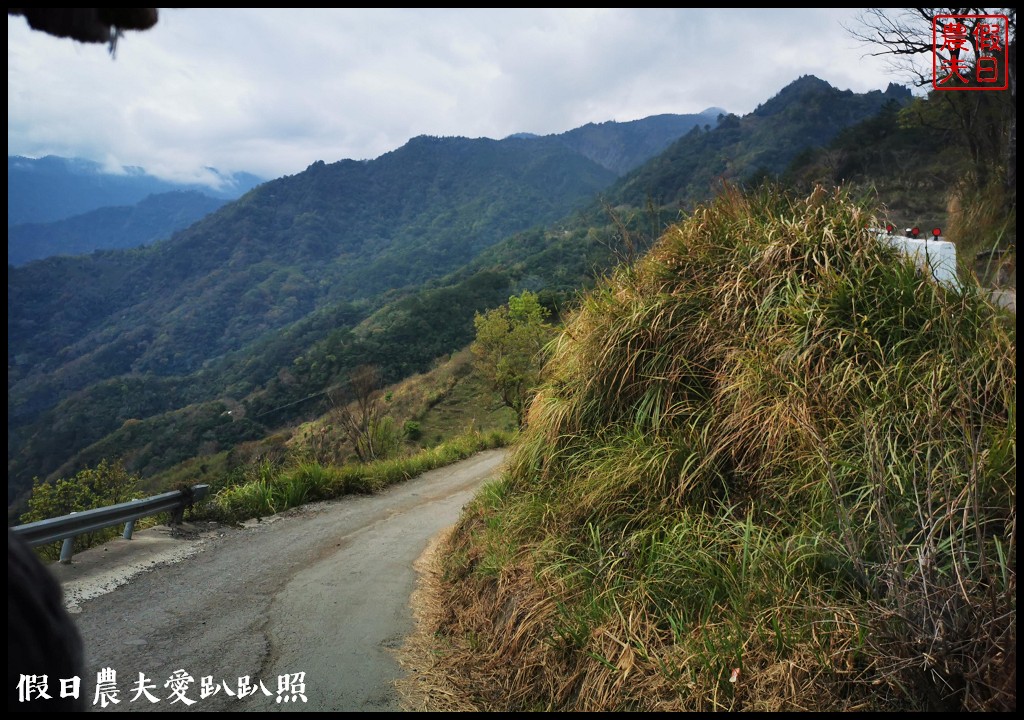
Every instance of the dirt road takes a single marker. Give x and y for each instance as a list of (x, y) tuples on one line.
[(322, 590)]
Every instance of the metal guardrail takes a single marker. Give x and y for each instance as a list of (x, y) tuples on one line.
[(67, 527)]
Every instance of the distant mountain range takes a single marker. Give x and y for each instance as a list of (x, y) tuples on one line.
[(273, 298), (54, 188), (75, 207), (156, 217), (341, 232)]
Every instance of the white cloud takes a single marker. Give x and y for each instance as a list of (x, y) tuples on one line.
[(271, 91)]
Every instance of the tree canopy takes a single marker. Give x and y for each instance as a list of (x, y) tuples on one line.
[(509, 348)]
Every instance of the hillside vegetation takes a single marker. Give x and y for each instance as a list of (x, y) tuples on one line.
[(272, 265), (623, 146), (269, 302), (772, 467)]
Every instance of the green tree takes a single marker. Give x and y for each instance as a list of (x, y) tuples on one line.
[(106, 484), (509, 348)]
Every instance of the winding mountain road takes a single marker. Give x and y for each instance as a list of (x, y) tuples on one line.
[(321, 590)]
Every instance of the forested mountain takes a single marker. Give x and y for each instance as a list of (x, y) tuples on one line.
[(53, 188), (343, 232), (907, 161), (616, 146), (277, 297), (154, 218), (623, 146), (794, 129), (807, 113)]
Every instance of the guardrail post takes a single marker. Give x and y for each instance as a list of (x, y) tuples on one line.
[(66, 549), (129, 528)]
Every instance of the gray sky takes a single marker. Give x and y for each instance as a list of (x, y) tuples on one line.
[(271, 91)]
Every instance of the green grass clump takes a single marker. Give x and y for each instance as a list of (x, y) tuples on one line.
[(266, 487), (772, 467)]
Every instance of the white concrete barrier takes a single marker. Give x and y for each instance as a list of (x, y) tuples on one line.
[(933, 255)]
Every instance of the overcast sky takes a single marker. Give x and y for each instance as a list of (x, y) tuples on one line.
[(271, 91)]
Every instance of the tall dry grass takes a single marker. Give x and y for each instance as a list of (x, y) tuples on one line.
[(772, 467)]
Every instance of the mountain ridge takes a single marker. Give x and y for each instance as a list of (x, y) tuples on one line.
[(808, 112), (153, 218), (54, 188), (622, 146)]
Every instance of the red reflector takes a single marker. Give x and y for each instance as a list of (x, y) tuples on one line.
[(936, 232), (916, 231), (889, 228)]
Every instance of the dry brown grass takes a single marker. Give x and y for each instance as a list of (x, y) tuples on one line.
[(487, 660), (428, 687)]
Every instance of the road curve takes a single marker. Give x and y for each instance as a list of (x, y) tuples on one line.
[(321, 590)]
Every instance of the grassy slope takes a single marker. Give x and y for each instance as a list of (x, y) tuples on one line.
[(768, 452), (447, 402)]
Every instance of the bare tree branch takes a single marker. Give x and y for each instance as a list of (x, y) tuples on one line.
[(907, 35), (360, 417)]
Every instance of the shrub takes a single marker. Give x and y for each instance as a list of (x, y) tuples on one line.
[(105, 484), (412, 430)]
